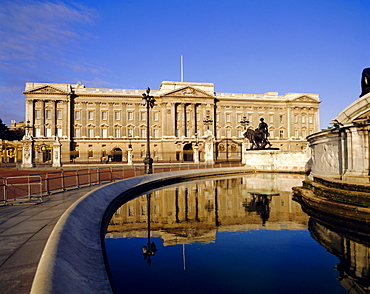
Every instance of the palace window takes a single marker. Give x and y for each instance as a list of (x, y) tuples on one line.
[(90, 153), (48, 132), (130, 132), (77, 133), (304, 134), (47, 114), (59, 132), (90, 133), (104, 133), (37, 132), (59, 114), (155, 116), (130, 115), (250, 117), (271, 118), (281, 119), (281, 134), (77, 115), (117, 115), (310, 118), (295, 118), (228, 133), (143, 133), (303, 119), (155, 133), (117, 133), (228, 117), (295, 133), (37, 113), (143, 116), (90, 115), (103, 115)]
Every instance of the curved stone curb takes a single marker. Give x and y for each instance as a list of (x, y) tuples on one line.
[(73, 259)]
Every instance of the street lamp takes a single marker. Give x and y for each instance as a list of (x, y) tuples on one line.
[(208, 121), (150, 249), (244, 122), (27, 129), (130, 138), (148, 101)]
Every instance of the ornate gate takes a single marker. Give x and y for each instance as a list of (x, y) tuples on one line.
[(228, 150)]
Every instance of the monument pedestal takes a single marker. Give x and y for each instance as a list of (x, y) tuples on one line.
[(57, 162), (273, 159), (129, 155), (196, 154)]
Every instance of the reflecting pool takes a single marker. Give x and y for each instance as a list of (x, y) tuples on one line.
[(229, 235)]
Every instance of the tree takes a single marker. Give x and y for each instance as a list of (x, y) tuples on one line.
[(3, 130)]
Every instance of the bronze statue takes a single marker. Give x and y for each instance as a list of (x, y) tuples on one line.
[(259, 136), (365, 82)]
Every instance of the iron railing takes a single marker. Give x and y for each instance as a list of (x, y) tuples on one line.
[(35, 187)]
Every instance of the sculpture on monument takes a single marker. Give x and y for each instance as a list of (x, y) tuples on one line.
[(365, 82), (258, 137)]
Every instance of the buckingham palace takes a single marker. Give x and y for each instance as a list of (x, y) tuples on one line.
[(110, 125)]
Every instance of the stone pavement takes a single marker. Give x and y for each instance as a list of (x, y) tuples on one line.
[(24, 231)]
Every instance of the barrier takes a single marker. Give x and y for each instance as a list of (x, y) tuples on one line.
[(23, 187), (34, 187)]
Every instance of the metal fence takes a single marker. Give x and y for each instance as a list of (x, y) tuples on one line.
[(35, 187)]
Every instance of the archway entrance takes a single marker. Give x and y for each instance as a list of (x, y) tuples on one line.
[(188, 152), (117, 155)]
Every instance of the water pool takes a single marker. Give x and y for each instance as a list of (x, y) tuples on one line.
[(231, 235)]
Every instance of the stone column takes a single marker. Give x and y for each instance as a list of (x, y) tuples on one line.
[(244, 150), (129, 155), (42, 118), (356, 166), (208, 148), (27, 153), (56, 153), (54, 119), (196, 153)]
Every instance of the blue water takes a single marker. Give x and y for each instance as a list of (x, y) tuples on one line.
[(256, 261)]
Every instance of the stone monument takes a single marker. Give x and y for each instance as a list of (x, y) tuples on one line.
[(271, 159), (365, 82), (56, 153), (27, 144)]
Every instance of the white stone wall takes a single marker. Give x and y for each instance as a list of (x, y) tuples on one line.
[(343, 151), (276, 160)]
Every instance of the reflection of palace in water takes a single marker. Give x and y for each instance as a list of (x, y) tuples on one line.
[(196, 211), (354, 266)]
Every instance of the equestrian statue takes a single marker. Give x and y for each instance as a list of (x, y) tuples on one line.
[(258, 137)]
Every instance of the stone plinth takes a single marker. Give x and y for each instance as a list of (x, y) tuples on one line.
[(276, 160)]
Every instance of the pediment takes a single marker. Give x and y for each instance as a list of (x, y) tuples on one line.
[(45, 90), (304, 99), (189, 92)]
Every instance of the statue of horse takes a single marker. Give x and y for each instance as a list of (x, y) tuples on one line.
[(257, 138)]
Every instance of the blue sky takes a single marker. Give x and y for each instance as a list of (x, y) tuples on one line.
[(305, 46)]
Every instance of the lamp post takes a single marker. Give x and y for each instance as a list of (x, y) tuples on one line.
[(150, 249), (207, 121), (244, 122), (148, 101)]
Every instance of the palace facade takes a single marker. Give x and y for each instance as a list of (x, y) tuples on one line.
[(94, 124)]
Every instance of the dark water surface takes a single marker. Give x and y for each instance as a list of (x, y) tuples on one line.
[(235, 235)]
